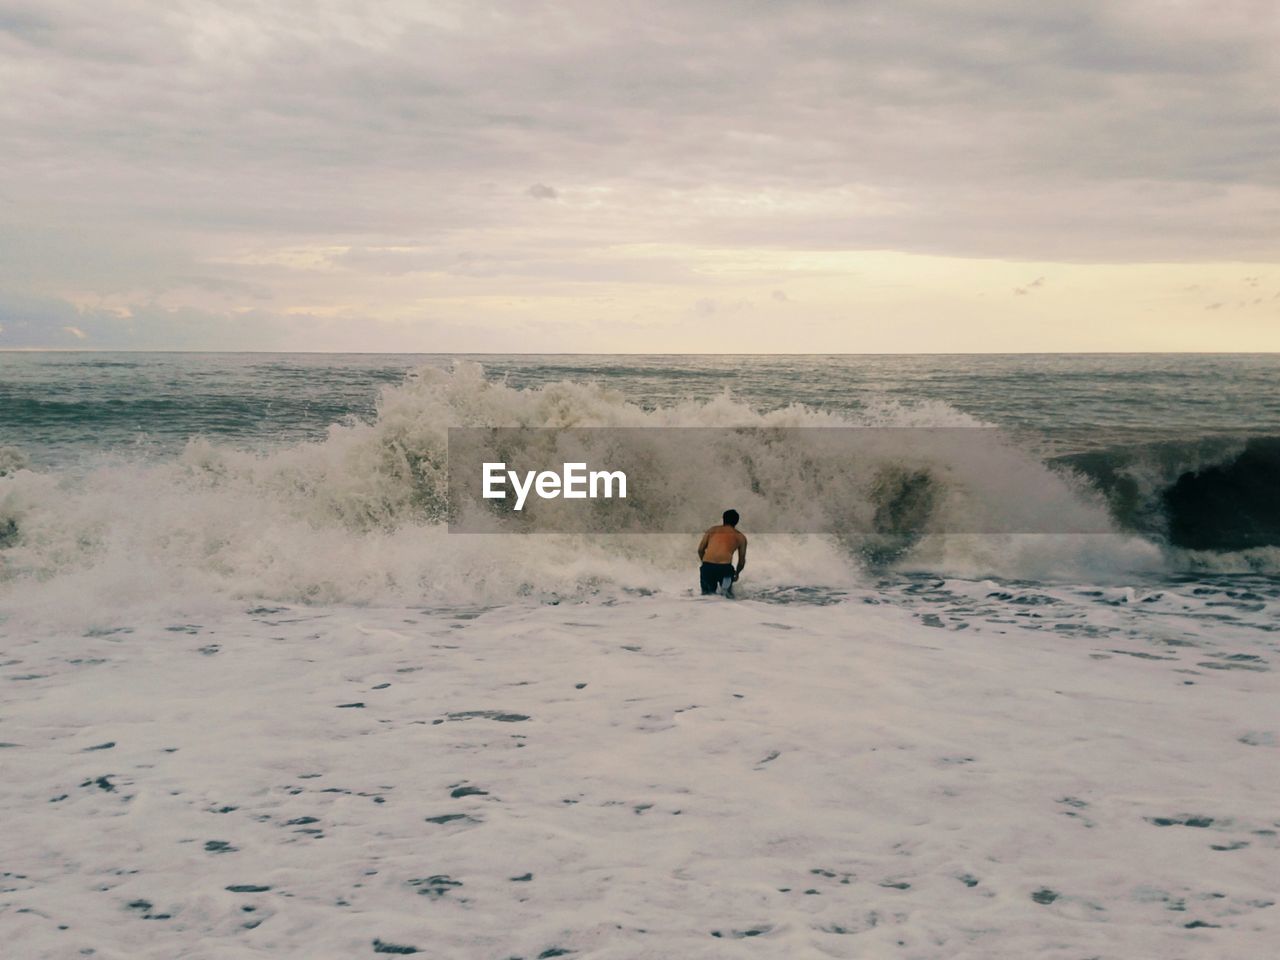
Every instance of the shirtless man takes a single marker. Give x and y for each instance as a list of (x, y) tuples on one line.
[(716, 550)]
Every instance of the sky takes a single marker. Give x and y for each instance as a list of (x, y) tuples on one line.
[(602, 176)]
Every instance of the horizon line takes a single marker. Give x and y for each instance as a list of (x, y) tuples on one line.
[(593, 353)]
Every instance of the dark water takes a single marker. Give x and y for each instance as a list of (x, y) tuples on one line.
[(57, 406)]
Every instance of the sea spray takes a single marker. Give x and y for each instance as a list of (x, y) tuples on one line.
[(359, 516)]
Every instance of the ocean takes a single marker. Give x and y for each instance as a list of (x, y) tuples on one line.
[(257, 696)]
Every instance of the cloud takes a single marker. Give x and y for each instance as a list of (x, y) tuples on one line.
[(968, 117), (51, 323), (227, 286), (171, 155), (41, 322)]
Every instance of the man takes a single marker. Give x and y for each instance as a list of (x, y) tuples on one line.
[(716, 550)]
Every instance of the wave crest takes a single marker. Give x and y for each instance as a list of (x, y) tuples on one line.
[(358, 517)]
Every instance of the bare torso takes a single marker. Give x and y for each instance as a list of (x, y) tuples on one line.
[(720, 543)]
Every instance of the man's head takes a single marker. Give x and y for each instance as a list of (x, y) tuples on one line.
[(731, 518)]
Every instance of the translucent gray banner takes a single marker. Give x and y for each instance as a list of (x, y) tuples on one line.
[(901, 482)]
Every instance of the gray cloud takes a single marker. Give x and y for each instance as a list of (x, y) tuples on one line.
[(51, 323), (30, 322), (140, 142)]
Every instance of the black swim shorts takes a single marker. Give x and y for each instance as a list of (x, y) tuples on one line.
[(712, 575)]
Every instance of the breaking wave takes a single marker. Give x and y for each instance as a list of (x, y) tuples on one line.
[(359, 517), (1211, 501)]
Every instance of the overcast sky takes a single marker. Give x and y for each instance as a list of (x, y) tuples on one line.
[(906, 175)]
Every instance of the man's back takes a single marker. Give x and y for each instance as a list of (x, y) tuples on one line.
[(720, 543)]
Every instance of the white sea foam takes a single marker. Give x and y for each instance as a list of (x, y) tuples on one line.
[(12, 460), (977, 772), (541, 745), (358, 517)]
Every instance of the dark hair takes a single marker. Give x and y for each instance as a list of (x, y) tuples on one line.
[(731, 517)]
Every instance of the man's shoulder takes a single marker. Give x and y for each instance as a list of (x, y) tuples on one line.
[(742, 537)]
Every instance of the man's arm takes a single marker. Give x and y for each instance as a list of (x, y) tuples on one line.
[(702, 544), (742, 554)]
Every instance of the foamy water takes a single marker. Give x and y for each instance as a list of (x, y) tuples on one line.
[(358, 515), (258, 700), (954, 770)]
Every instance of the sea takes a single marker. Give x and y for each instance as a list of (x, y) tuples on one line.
[(258, 697), (1184, 449)]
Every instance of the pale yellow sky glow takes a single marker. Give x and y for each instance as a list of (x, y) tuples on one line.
[(788, 177)]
